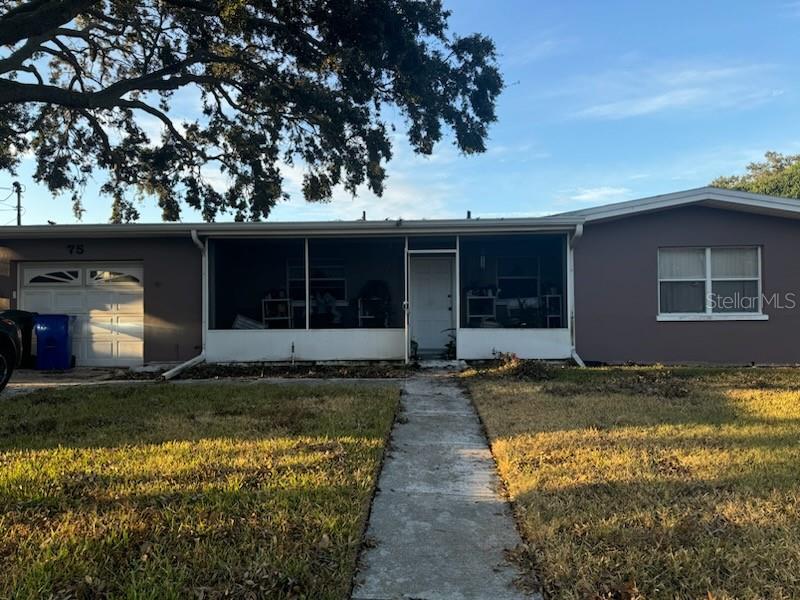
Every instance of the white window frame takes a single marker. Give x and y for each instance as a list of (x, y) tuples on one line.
[(29, 273), (708, 314), (134, 271)]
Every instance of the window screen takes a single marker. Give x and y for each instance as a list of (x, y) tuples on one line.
[(257, 284), (513, 281), (356, 283)]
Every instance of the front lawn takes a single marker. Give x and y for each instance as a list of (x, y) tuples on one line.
[(187, 491), (652, 483)]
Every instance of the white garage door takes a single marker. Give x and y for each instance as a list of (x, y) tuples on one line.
[(106, 299)]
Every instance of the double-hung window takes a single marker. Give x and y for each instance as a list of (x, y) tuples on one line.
[(710, 283)]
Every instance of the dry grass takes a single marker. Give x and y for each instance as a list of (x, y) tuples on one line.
[(652, 483), (181, 491)]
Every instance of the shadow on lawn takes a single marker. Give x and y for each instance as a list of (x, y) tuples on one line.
[(111, 416), (219, 543)]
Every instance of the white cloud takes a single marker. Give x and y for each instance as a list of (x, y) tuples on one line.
[(522, 153), (410, 192), (404, 197), (643, 105), (533, 49), (401, 199), (216, 178), (638, 91), (602, 193)]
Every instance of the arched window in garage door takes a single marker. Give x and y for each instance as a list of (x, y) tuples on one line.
[(101, 277), (45, 276)]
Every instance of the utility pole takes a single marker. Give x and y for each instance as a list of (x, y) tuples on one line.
[(18, 191)]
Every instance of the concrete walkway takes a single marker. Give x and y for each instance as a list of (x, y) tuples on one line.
[(439, 526)]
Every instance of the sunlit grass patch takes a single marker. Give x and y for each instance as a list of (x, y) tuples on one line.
[(653, 494), (178, 491)]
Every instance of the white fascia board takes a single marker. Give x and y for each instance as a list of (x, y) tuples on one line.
[(731, 199), (302, 229)]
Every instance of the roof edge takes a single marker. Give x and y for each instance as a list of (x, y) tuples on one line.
[(302, 228), (566, 221), (760, 203)]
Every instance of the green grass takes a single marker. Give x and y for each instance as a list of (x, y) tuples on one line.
[(176, 491), (652, 482)]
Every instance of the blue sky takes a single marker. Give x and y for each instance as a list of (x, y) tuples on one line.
[(606, 101)]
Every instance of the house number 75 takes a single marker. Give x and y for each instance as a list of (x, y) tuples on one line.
[(75, 248)]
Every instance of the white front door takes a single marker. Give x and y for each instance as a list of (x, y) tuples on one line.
[(431, 306), (106, 299)]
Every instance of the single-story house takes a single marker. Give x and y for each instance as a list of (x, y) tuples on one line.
[(701, 276)]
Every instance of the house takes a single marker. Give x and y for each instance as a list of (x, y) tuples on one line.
[(701, 276)]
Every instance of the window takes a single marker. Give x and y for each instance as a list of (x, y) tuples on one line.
[(351, 283), (356, 283), (101, 277), (327, 278), (709, 283), (513, 281), (41, 276), (517, 277), (682, 280), (257, 284)]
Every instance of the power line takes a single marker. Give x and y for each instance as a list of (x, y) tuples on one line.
[(7, 204), (16, 189), (5, 208)]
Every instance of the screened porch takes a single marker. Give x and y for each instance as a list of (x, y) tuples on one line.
[(388, 297)]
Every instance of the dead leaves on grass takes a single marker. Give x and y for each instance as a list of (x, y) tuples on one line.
[(261, 582), (559, 380), (366, 371), (656, 383), (509, 366)]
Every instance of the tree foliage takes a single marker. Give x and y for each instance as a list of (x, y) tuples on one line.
[(777, 175), (276, 82)]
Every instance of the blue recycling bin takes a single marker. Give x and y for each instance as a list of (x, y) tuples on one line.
[(53, 342)]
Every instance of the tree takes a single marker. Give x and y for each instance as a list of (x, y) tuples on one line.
[(777, 175), (275, 82)]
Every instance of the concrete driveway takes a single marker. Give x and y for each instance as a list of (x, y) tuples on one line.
[(24, 381), (28, 380)]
